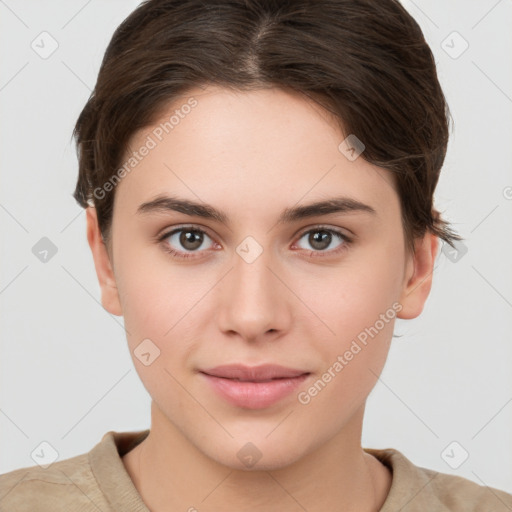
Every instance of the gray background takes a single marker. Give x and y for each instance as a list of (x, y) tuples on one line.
[(65, 371)]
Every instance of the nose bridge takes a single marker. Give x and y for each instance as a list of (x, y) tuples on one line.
[(252, 282), (253, 303)]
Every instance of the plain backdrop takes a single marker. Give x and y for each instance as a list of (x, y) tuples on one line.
[(65, 370)]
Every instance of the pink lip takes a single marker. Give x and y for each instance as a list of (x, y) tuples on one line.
[(254, 387)]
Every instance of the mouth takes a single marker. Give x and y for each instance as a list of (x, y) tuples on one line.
[(255, 387), (261, 373)]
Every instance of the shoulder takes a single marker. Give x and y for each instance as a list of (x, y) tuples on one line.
[(461, 494), (416, 488), (68, 484)]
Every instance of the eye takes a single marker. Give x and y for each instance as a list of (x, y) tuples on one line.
[(189, 238), (320, 238), (184, 241)]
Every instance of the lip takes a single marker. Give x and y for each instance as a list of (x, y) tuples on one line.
[(254, 387), (253, 373)]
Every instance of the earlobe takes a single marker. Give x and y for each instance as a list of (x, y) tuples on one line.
[(109, 292), (418, 276)]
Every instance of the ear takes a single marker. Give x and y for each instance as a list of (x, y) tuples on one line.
[(109, 293), (418, 276)]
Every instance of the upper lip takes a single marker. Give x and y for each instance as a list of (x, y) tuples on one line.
[(253, 373)]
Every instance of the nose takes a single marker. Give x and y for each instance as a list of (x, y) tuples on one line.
[(254, 304)]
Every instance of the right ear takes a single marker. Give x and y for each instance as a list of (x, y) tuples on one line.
[(109, 293)]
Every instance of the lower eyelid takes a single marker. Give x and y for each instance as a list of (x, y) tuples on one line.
[(338, 234), (184, 254), (172, 232)]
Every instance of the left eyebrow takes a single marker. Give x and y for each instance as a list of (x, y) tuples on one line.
[(164, 203), (333, 205)]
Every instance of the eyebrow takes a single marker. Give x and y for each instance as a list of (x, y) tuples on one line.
[(164, 203)]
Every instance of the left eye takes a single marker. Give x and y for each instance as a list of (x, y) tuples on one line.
[(321, 238)]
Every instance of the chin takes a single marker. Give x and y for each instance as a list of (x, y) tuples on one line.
[(255, 455)]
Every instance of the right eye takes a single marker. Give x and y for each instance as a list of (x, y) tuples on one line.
[(189, 238)]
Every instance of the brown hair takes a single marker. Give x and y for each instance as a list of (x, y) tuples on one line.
[(365, 61)]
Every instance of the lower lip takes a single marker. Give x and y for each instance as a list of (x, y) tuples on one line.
[(254, 395)]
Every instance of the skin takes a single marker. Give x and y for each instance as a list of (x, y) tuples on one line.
[(251, 155)]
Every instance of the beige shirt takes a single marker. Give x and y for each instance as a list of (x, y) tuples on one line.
[(97, 481)]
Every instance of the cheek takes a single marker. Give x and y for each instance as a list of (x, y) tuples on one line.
[(160, 310), (351, 359), (353, 297), (357, 306), (156, 325), (154, 295)]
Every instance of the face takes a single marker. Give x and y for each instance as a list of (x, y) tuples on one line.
[(252, 276)]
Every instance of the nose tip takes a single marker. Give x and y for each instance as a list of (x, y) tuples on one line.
[(251, 304)]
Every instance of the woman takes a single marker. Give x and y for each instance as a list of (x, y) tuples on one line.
[(258, 178)]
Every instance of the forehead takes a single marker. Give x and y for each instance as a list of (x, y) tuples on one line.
[(247, 150)]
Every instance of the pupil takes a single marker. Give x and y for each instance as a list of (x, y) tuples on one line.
[(322, 238), (187, 239)]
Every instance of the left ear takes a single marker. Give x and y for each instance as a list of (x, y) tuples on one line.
[(418, 276)]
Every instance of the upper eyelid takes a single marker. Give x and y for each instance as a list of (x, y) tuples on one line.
[(168, 232), (320, 227), (195, 227), (300, 234)]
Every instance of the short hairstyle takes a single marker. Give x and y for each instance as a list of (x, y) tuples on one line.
[(365, 61)]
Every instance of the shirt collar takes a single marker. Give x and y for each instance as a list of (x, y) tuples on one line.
[(407, 486)]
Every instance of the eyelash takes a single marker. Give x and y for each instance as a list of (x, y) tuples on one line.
[(321, 254)]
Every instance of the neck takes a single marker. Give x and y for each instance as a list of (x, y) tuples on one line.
[(338, 475)]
